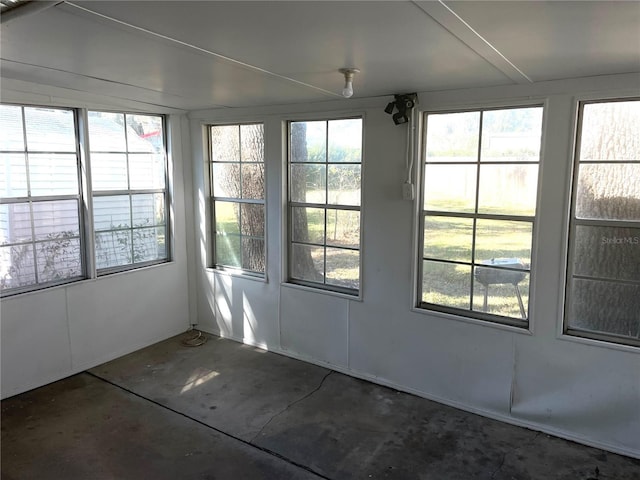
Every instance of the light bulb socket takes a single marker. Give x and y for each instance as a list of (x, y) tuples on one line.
[(348, 73)]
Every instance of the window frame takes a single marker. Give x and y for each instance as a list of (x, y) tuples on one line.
[(573, 222), (471, 315), (100, 272), (85, 198), (79, 197), (240, 271), (288, 206)]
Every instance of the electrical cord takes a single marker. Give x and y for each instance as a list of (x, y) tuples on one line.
[(196, 340)]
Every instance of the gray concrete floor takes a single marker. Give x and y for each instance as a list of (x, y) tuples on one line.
[(229, 411)]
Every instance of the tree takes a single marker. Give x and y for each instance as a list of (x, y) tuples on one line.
[(303, 265)]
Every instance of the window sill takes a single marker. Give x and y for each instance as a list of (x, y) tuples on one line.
[(602, 343), (524, 330), (83, 281), (322, 291), (255, 277)]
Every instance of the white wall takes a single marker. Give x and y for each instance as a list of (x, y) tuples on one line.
[(56, 332), (579, 389)]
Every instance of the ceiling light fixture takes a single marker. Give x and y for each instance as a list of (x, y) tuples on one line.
[(348, 73)]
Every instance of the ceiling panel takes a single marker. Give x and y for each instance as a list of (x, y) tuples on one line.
[(208, 54), (396, 45), (89, 49), (559, 39)]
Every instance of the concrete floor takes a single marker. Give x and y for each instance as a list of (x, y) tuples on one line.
[(229, 411)]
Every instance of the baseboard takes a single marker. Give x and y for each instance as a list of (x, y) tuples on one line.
[(445, 401)]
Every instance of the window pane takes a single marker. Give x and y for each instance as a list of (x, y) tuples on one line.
[(253, 180), (446, 284), (343, 268), (253, 254), (148, 209), (56, 220), (508, 189), (226, 180), (148, 244), (453, 137), (252, 143), (448, 238), (308, 183), (109, 171), (53, 174), (309, 141), (59, 259), (308, 225), (610, 131), (228, 251), (17, 266), (501, 292), (144, 133), (607, 252), (345, 140), (609, 191), (225, 143), (450, 188), (324, 169), (241, 176), (11, 134), (113, 248), (252, 219), (605, 307), (307, 263), (146, 171), (13, 177), (50, 130), (227, 217), (343, 228), (344, 185), (498, 239), (113, 212), (106, 132), (511, 135), (15, 223), (162, 233)]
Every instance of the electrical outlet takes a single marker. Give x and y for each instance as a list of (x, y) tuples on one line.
[(408, 192)]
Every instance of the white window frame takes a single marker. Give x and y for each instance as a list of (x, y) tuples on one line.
[(470, 315), (31, 200), (133, 192), (240, 201), (85, 204), (321, 287), (576, 333)]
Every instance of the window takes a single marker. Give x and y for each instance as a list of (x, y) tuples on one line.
[(479, 206), (40, 225), (129, 187), (324, 203), (42, 219), (603, 287), (237, 178)]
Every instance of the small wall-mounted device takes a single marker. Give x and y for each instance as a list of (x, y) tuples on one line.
[(408, 191)]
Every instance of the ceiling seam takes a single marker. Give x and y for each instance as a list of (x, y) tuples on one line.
[(478, 44), (204, 50), (90, 77)]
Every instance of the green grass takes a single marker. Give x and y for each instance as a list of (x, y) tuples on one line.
[(450, 238)]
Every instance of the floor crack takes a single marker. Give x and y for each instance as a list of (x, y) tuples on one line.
[(291, 405), (504, 458), (512, 451)]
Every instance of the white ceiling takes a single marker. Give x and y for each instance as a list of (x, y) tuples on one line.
[(208, 54)]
